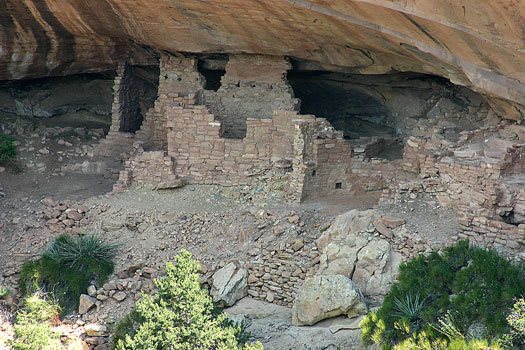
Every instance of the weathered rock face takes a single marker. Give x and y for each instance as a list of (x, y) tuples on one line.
[(322, 297), (56, 96), (473, 43), (229, 284), (350, 248)]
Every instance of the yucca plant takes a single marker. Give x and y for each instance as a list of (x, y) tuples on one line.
[(67, 268), (483, 283), (409, 307), (80, 253)]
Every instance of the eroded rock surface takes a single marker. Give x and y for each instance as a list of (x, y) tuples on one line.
[(271, 324), (323, 297), (473, 43), (229, 284), (354, 247)]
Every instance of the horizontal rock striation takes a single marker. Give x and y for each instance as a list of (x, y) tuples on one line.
[(479, 44)]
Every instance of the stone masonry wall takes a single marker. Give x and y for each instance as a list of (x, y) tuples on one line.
[(487, 193), (147, 168), (325, 164), (253, 87), (180, 83), (315, 158), (204, 156)]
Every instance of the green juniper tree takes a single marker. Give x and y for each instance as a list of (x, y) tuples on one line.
[(180, 317)]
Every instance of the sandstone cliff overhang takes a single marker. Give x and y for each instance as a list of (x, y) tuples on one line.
[(475, 43)]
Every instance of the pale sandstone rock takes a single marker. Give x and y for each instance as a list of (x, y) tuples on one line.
[(392, 222), (92, 291), (76, 344), (119, 296), (324, 297), (86, 303), (372, 37), (351, 222), (339, 258), (229, 284), (168, 185), (369, 261), (382, 229), (149, 272), (278, 230), (376, 268), (110, 285), (74, 215), (95, 329)]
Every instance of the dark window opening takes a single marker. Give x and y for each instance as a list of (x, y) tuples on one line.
[(513, 218), (314, 173), (389, 149), (338, 185), (212, 69), (138, 96), (213, 78)]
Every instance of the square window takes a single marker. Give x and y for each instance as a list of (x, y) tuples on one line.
[(338, 185)]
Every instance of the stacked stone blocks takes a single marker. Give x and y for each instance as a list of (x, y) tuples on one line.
[(482, 191)]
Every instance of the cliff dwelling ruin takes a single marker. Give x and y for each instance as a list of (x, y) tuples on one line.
[(285, 140), (291, 124)]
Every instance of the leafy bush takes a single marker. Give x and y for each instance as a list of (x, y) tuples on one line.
[(33, 324), (67, 267), (516, 320), (7, 148), (180, 317), (473, 284)]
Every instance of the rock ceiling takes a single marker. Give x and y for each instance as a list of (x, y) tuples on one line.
[(475, 43)]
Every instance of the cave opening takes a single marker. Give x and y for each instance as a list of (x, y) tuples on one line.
[(80, 100), (380, 111), (352, 106), (75, 101), (355, 109)]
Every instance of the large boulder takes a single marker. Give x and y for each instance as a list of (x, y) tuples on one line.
[(348, 224), (377, 266), (322, 297), (340, 257), (229, 284), (351, 247)]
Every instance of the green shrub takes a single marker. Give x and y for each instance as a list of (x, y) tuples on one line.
[(7, 148), (67, 267), (421, 342), (516, 320), (473, 284), (180, 317), (33, 324)]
